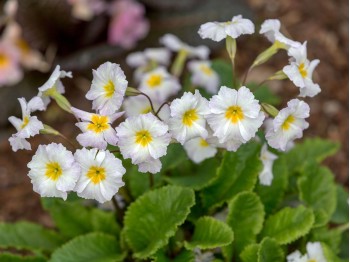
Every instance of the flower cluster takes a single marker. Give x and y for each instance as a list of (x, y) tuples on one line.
[(157, 114)]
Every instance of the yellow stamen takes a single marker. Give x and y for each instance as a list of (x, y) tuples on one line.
[(203, 143), (146, 110), (25, 122), (206, 70), (234, 114), (109, 89), (154, 80), (302, 70), (4, 60), (143, 137), (189, 117), (96, 174), (99, 124), (289, 120), (22, 46), (53, 170)]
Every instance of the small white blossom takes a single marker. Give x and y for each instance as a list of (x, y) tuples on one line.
[(144, 139), (314, 254), (300, 71), (97, 129), (175, 44), (204, 76), (288, 125), (53, 171), (267, 159), (235, 116), (139, 59), (53, 85), (108, 88), (271, 29), (218, 31), (101, 174), (159, 84), (203, 256), (187, 117)]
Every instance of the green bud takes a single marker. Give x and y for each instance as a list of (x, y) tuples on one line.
[(62, 102), (130, 91), (279, 75), (179, 63), (268, 53), (270, 109), (48, 130), (231, 47)]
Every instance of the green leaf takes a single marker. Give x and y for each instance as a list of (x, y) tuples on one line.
[(210, 233), (174, 157), (331, 237), (329, 254), (270, 251), (289, 224), (310, 150), (183, 256), (245, 217), (271, 196), (93, 247), (264, 95), (154, 217), (8, 257), (224, 70), (341, 214), (250, 253), (238, 172), (317, 190), (25, 235), (73, 219)]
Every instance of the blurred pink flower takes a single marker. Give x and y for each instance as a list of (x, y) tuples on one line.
[(10, 70), (128, 23)]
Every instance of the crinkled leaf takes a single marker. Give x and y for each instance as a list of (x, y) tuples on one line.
[(250, 253), (331, 237), (289, 224), (8, 257), (317, 189), (245, 217), (210, 233), (25, 235), (341, 214), (183, 256), (93, 247), (154, 217), (271, 196), (270, 251), (174, 157), (238, 172), (329, 254)]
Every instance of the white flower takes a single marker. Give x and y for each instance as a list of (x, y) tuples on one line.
[(139, 59), (217, 31), (175, 44), (187, 117), (199, 149), (204, 76), (159, 84), (97, 129), (314, 254), (107, 88), (288, 125), (101, 174), (136, 105), (267, 159), (203, 256), (271, 29), (300, 71), (235, 116), (53, 171), (144, 139), (53, 85)]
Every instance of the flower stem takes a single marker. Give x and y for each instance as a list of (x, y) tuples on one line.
[(160, 108), (119, 210), (151, 180)]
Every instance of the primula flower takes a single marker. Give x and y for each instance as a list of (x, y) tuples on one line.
[(218, 31), (187, 117), (128, 23), (108, 88), (288, 125), (199, 149), (97, 129), (159, 84), (158, 55), (267, 159), (144, 139), (300, 71), (314, 254), (10, 71), (28, 126), (53, 171), (204, 76), (271, 29), (235, 116), (53, 85), (176, 45), (101, 174)]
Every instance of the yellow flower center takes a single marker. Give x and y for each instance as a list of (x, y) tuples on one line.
[(109, 89), (312, 260), (302, 70), (25, 122), (4, 60), (206, 70), (143, 137), (98, 124), (189, 117), (289, 120), (154, 80), (96, 174), (146, 110), (234, 114), (53, 170), (203, 143), (23, 46)]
